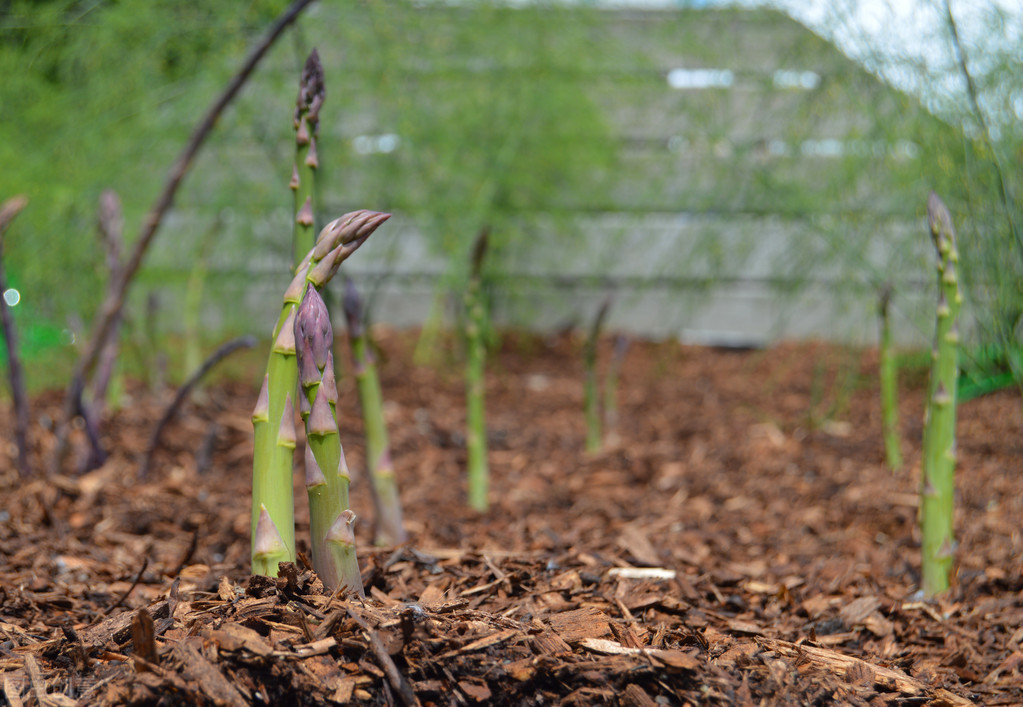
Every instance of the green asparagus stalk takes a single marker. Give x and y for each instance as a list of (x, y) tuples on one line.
[(591, 390), (327, 477), (390, 528), (614, 370), (311, 94), (273, 519), (476, 355), (939, 444), (889, 385)]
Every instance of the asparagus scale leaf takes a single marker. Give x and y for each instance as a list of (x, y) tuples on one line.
[(939, 443)]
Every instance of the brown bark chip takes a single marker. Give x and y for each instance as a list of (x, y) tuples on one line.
[(742, 543)]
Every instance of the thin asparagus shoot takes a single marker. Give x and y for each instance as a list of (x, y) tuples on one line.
[(889, 384), (273, 452), (591, 389), (311, 94), (614, 370), (327, 477), (390, 528), (939, 443), (476, 358)]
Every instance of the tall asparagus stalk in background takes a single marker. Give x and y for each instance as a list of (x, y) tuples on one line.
[(889, 384), (311, 94), (326, 473), (273, 515), (390, 528), (591, 391), (939, 444), (476, 359), (614, 370)]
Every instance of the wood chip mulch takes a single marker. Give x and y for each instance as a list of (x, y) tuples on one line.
[(738, 542)]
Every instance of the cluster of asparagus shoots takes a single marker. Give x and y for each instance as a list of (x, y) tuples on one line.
[(301, 339), (939, 445), (476, 359), (889, 384), (390, 528)]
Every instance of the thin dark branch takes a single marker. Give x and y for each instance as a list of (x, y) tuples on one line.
[(135, 583), (242, 342), (114, 302), (971, 90), (111, 232), (394, 676), (97, 455), (187, 556), (15, 373)]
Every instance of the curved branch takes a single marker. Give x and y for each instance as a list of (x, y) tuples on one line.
[(242, 342), (114, 302)]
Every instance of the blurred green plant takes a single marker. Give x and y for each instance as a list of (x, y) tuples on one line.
[(104, 92), (389, 526), (888, 373), (591, 385), (476, 330)]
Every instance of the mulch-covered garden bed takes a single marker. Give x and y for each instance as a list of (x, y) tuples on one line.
[(739, 541)]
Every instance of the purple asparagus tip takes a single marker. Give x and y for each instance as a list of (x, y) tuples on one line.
[(314, 337)]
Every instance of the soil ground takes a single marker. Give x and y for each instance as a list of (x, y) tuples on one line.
[(785, 554)]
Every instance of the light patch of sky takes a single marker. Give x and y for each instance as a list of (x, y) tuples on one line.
[(908, 43)]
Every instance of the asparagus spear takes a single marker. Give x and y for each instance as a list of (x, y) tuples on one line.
[(390, 528), (476, 427), (591, 393), (273, 519), (614, 370), (939, 447), (327, 477), (889, 385), (311, 94)]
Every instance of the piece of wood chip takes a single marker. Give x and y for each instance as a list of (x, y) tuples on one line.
[(212, 683), (35, 678), (143, 637), (573, 626), (12, 693), (636, 543), (832, 662), (857, 610), (482, 643), (744, 627), (635, 696), (308, 650), (476, 690), (232, 638), (641, 573), (550, 643), (225, 590), (667, 657)]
